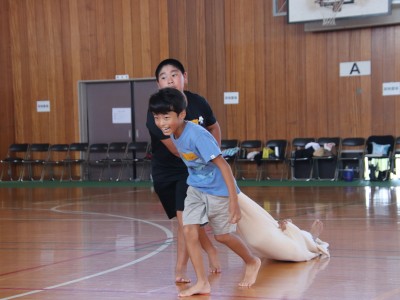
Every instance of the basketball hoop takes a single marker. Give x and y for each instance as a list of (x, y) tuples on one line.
[(329, 10)]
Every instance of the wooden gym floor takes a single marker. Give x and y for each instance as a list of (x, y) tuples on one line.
[(116, 243)]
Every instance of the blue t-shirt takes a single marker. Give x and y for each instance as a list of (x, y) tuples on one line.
[(197, 148)]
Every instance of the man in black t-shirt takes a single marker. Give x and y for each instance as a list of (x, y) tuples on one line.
[(169, 173)]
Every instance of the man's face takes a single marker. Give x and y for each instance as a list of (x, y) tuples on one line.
[(172, 77)]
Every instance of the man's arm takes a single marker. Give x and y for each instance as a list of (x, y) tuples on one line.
[(170, 146), (215, 130)]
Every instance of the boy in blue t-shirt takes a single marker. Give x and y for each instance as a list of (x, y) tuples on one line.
[(212, 194)]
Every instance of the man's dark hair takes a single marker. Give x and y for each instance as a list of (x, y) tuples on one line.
[(167, 100), (169, 61)]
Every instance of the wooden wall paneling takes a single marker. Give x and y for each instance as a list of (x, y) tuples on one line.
[(293, 94), (379, 66), (196, 45), (231, 109), (261, 99), (146, 36), (279, 70), (177, 28), (279, 66), (7, 135), (386, 73), (338, 87), (316, 110), (20, 71), (118, 31), (76, 70), (124, 39), (241, 25), (215, 74)]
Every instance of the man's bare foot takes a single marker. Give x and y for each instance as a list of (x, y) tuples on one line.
[(182, 279), (251, 273), (282, 223), (213, 261), (197, 289), (316, 228)]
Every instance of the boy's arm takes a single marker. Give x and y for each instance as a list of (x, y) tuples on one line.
[(234, 209)]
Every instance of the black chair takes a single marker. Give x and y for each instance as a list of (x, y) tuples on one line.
[(378, 157), (95, 163), (113, 162), (138, 155), (35, 163), (277, 158), (77, 157), (230, 149), (13, 161), (58, 154), (396, 159), (245, 163), (350, 158), (326, 165), (301, 159)]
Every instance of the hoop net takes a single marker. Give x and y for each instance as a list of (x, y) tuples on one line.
[(329, 9)]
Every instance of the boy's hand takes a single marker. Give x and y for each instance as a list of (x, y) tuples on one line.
[(234, 212)]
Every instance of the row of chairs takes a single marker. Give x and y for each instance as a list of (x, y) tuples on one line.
[(76, 161), (351, 157)]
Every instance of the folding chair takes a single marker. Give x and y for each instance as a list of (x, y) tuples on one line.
[(114, 160), (230, 149), (58, 154), (350, 158), (95, 164), (378, 157), (277, 158), (137, 155), (77, 157), (245, 162), (13, 161), (396, 159), (301, 159), (326, 166), (35, 163)]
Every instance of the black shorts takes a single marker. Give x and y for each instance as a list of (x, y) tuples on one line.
[(172, 195)]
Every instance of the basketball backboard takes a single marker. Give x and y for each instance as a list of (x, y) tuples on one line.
[(328, 10), (279, 8)]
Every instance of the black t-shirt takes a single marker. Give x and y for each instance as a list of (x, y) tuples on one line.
[(165, 165)]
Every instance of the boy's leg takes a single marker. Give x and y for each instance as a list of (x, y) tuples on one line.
[(218, 212), (211, 250), (182, 256), (252, 262), (202, 286)]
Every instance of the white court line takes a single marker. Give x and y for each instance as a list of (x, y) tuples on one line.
[(166, 243)]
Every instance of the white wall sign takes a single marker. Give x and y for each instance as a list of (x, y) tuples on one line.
[(390, 88), (231, 98), (121, 115), (355, 68), (43, 106)]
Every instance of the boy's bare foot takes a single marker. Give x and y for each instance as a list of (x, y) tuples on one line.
[(251, 273), (197, 289), (316, 228), (182, 279), (282, 223), (213, 260)]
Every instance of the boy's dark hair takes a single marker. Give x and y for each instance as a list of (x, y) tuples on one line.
[(167, 100), (169, 61)]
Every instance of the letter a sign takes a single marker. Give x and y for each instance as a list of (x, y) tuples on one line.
[(355, 68)]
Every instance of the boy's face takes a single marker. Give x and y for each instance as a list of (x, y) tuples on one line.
[(172, 77), (170, 123)]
